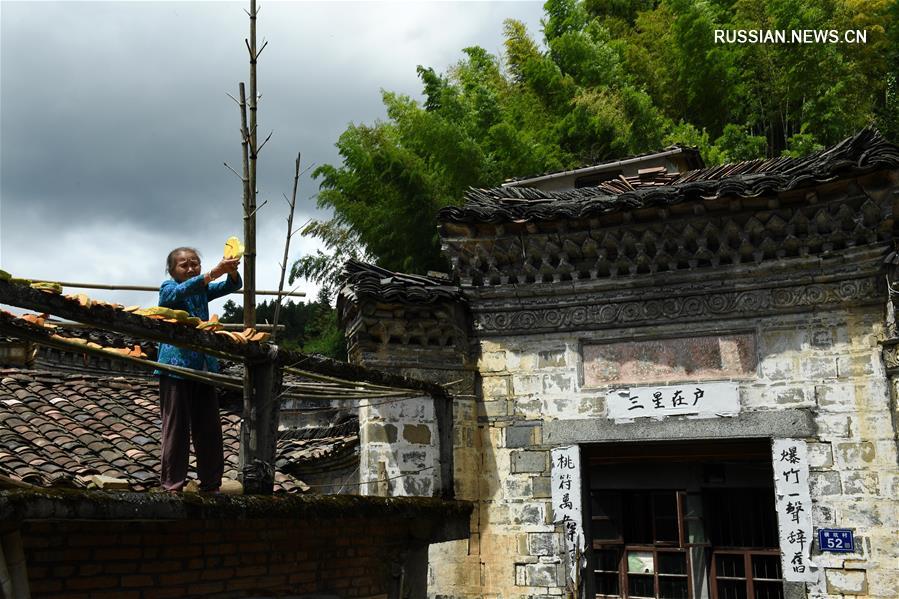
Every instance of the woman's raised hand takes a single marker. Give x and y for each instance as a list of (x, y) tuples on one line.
[(226, 266)]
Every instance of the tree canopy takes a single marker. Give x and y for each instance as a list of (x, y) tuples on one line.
[(611, 78)]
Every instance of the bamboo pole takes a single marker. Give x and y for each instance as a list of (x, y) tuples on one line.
[(293, 204), (249, 272), (249, 306), (156, 289)]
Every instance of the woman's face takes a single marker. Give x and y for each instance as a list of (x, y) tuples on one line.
[(186, 266)]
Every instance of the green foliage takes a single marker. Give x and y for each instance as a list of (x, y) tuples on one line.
[(614, 77), (308, 327)]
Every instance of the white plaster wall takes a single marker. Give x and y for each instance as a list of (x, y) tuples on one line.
[(399, 447)]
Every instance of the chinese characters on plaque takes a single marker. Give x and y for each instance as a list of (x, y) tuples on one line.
[(566, 501), (793, 504), (707, 400)]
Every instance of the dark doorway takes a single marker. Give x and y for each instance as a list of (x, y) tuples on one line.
[(690, 520)]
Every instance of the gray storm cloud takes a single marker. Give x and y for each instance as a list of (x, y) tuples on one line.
[(114, 119)]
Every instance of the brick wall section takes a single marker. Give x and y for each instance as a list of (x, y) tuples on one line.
[(350, 557)]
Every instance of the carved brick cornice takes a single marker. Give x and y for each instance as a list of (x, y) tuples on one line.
[(685, 305), (840, 215), (890, 348)]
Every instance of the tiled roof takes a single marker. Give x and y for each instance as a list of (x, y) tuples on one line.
[(691, 154), (60, 430), (373, 282), (864, 152)]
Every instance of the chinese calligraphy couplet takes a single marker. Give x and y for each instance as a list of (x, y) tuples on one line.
[(793, 504), (706, 400), (565, 477)]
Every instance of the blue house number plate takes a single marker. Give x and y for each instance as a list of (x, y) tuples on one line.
[(836, 540)]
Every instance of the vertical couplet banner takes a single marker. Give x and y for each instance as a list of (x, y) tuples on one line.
[(794, 505), (566, 502)]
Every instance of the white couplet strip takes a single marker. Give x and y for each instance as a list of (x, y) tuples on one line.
[(794, 506), (565, 477)]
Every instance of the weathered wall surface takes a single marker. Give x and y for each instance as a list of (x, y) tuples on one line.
[(399, 447), (824, 364)]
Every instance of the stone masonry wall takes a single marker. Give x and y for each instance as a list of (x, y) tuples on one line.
[(826, 363), (399, 451)]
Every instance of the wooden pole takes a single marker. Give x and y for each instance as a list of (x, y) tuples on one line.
[(249, 297), (156, 289), (249, 306), (259, 429), (293, 204)]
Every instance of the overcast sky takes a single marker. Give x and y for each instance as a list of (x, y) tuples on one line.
[(114, 121)]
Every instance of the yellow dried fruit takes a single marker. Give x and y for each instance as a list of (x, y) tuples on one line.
[(233, 248), (47, 286), (161, 312), (131, 309)]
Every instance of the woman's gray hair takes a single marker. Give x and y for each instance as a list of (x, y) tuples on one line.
[(170, 259)]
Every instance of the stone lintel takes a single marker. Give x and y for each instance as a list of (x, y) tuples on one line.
[(762, 424)]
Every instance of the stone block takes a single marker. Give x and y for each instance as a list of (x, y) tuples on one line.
[(780, 341), (464, 410), (495, 387), (537, 575), (855, 455), (860, 483), (541, 543), (873, 425), (541, 487), (865, 512), (527, 384), (412, 486), (517, 488), (377, 432), (493, 361), (524, 362), (563, 408), (889, 484), (419, 434), (825, 483), (493, 409), (846, 582), (518, 435), (883, 582), (792, 397), (591, 406), (818, 368), (821, 338), (530, 408), (413, 460), (838, 396), (527, 513), (529, 461), (823, 515), (551, 359), (558, 383), (832, 426), (778, 368), (820, 455)]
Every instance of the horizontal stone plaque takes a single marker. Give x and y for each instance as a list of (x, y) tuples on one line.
[(705, 400), (710, 357)]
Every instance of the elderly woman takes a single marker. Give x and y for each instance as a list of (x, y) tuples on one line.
[(190, 408)]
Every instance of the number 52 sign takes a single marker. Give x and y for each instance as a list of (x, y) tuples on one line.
[(836, 540)]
